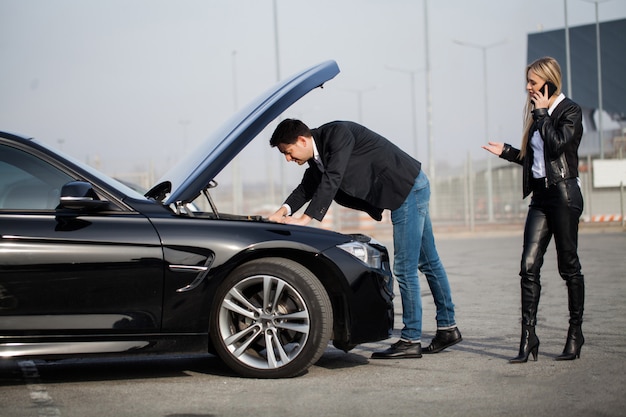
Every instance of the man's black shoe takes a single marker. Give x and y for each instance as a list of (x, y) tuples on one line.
[(444, 339), (400, 350)]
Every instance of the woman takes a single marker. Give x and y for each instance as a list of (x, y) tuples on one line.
[(549, 157)]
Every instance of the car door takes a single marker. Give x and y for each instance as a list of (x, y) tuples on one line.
[(71, 273)]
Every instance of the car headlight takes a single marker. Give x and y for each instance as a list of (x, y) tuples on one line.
[(365, 253)]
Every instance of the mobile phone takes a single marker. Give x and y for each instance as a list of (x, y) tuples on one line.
[(551, 88)]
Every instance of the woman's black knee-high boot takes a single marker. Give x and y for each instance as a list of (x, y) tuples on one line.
[(576, 301), (529, 342)]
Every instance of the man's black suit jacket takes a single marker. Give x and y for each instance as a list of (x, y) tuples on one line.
[(362, 170)]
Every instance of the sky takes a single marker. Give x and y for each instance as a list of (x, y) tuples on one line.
[(133, 85)]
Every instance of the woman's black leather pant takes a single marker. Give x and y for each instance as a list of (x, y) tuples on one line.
[(553, 211)]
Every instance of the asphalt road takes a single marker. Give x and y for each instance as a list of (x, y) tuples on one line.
[(473, 378)]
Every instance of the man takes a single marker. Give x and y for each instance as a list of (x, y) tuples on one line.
[(360, 169)]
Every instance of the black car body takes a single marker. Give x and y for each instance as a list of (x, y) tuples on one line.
[(90, 266)]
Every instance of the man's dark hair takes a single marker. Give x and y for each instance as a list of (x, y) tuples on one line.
[(287, 132)]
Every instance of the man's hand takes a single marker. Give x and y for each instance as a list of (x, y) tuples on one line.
[(279, 216), (301, 221)]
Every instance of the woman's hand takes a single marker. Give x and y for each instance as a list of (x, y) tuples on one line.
[(494, 147), (541, 98)]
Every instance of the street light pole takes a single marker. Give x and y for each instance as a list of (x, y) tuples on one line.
[(599, 64), (568, 60), (484, 49), (359, 96), (429, 119), (598, 55), (413, 104), (184, 123), (237, 181), (429, 109), (283, 185)]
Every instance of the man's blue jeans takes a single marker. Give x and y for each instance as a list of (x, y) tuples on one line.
[(414, 248)]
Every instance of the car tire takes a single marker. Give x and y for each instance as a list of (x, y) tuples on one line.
[(296, 321)]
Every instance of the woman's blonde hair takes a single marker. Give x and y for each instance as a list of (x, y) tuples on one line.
[(549, 69)]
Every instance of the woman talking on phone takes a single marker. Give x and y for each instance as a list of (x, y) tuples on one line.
[(549, 157)]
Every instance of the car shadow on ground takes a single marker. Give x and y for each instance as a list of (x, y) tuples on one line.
[(12, 371), (334, 358), (103, 369)]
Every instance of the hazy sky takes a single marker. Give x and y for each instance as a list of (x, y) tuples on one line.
[(132, 84)]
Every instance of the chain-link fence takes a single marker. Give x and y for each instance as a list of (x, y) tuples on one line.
[(482, 193)]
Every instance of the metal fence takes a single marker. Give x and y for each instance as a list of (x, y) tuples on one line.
[(477, 195), (481, 195)]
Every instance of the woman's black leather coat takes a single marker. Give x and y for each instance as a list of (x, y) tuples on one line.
[(561, 133)]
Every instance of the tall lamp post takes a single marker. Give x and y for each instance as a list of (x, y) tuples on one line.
[(359, 96), (599, 64), (429, 117), (184, 123), (283, 185), (413, 105), (237, 182), (568, 59), (484, 49)]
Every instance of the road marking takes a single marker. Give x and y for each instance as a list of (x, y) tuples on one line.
[(38, 393)]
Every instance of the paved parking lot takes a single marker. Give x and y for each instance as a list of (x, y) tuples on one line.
[(473, 378)]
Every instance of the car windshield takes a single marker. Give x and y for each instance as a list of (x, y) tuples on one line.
[(94, 172)]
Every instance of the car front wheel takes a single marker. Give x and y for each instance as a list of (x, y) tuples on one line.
[(272, 318)]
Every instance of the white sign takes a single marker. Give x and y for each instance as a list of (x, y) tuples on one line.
[(609, 173)]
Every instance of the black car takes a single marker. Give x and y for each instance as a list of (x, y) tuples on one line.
[(90, 266)]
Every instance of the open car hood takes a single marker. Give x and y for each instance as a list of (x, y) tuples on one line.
[(185, 181)]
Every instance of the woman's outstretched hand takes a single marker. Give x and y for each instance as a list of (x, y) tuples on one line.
[(494, 147)]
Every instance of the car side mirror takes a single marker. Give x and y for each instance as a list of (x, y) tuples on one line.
[(80, 195)]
